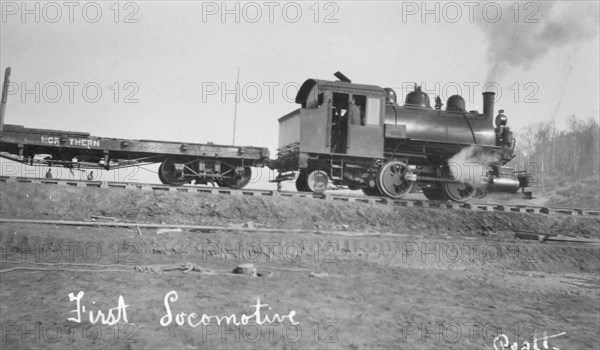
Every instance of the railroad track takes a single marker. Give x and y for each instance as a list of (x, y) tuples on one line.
[(488, 207)]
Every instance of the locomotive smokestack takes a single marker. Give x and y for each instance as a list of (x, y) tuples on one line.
[(488, 104)]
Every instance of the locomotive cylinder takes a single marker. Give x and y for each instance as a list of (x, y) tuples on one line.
[(503, 185)]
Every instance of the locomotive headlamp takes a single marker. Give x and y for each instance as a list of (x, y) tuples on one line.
[(500, 119)]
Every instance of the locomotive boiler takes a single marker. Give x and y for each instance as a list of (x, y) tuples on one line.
[(358, 136)]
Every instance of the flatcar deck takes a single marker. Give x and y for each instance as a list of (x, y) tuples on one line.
[(21, 144)]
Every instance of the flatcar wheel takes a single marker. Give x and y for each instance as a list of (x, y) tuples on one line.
[(317, 181), (301, 185), (458, 191), (238, 178), (160, 177), (371, 191), (167, 175), (391, 181), (435, 194)]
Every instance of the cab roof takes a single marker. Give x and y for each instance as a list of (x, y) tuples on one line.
[(337, 86)]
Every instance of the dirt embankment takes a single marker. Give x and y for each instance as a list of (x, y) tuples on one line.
[(439, 278), (68, 203)]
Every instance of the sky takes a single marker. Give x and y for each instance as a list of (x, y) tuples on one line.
[(167, 70)]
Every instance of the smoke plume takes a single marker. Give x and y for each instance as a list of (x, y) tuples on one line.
[(470, 164), (521, 44)]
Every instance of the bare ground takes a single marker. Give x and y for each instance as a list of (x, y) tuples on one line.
[(437, 279)]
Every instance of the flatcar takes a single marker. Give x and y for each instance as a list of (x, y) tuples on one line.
[(180, 162)]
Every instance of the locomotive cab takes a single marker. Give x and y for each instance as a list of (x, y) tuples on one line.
[(336, 118), (337, 133)]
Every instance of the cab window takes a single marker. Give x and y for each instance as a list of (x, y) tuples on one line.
[(372, 111), (314, 98)]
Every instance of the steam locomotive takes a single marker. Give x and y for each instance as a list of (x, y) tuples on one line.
[(393, 147)]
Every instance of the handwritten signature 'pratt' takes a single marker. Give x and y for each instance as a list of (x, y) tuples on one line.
[(501, 342)]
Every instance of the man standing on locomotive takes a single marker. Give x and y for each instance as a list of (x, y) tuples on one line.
[(354, 113)]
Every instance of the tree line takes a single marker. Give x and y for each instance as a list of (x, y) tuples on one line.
[(570, 154)]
